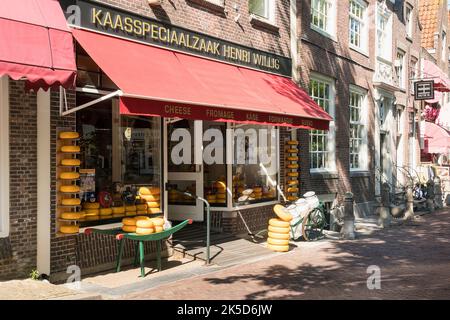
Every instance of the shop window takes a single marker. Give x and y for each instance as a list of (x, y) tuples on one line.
[(255, 164), (357, 24), (358, 129), (321, 145), (4, 157), (323, 14), (121, 153)]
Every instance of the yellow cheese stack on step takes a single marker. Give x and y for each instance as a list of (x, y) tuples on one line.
[(152, 196), (279, 230)]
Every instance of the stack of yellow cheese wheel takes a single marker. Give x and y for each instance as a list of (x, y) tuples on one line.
[(118, 212), (143, 225), (292, 174), (221, 191), (279, 230), (130, 210), (152, 197), (129, 225)]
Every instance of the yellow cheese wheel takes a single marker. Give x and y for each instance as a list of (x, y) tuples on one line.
[(147, 223), (292, 182), (292, 166), (130, 213), (281, 236), (278, 223), (130, 208), (149, 191), (110, 216), (70, 162), (282, 213), (157, 222), (129, 221), (92, 212), (292, 174), (221, 196), (69, 175), (70, 149), (141, 212), (69, 135), (118, 210), (106, 211), (285, 230), (91, 205), (150, 197), (278, 248), (131, 229), (141, 207), (292, 142), (257, 190), (291, 198), (144, 231), (292, 150), (211, 197), (71, 202), (71, 215), (292, 158), (141, 218), (153, 204), (158, 229), (278, 242), (118, 215), (153, 210), (92, 217), (292, 189), (69, 189), (69, 229)]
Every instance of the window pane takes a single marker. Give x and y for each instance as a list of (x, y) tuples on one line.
[(259, 7)]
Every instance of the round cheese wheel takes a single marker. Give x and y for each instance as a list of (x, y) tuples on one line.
[(153, 210), (292, 182), (144, 231), (153, 204), (130, 213), (211, 197), (292, 166), (281, 236), (69, 229), (149, 191), (278, 242), (292, 150), (292, 174), (150, 197), (282, 213), (70, 189), (292, 158), (285, 230), (158, 222), (292, 142), (106, 211), (92, 212), (278, 223), (69, 175), (278, 248), (129, 221), (92, 217), (221, 196), (118, 215), (91, 205), (158, 229), (131, 229), (147, 223), (118, 210), (141, 207), (130, 208), (71, 215), (291, 198), (71, 202), (70, 149), (110, 216), (292, 189), (69, 135), (141, 212), (70, 162)]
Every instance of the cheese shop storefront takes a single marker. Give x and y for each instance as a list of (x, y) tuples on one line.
[(163, 116)]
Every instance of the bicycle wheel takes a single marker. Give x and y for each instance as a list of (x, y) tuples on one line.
[(313, 225)]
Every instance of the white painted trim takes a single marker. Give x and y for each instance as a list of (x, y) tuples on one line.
[(4, 157), (43, 181)]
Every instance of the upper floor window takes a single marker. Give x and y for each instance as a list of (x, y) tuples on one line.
[(400, 69), (261, 8), (357, 27), (323, 16), (322, 145), (444, 46), (384, 33), (409, 20), (358, 129), (414, 72)]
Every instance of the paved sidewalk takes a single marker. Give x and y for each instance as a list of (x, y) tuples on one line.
[(413, 257)]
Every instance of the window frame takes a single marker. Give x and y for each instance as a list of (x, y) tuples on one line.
[(444, 45), (330, 29), (331, 135), (363, 152), (409, 18), (4, 157), (270, 7), (363, 34), (401, 75), (386, 52)]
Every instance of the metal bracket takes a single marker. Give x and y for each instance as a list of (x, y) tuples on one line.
[(64, 109)]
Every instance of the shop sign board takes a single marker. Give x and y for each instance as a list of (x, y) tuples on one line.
[(424, 90), (117, 22)]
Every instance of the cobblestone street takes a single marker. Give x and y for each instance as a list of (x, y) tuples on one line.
[(414, 259)]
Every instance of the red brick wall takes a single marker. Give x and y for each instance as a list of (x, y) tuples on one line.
[(18, 251)]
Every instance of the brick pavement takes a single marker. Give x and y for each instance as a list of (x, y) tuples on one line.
[(414, 260)]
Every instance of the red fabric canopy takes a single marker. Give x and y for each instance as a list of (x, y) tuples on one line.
[(441, 81), (165, 83), (36, 44), (437, 139)]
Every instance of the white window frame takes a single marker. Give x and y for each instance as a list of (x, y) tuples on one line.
[(414, 72), (400, 69), (363, 122), (363, 34), (330, 29), (270, 7), (386, 51), (409, 18), (4, 157), (331, 135), (444, 45)]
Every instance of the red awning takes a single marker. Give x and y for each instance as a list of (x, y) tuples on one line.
[(437, 139), (36, 44), (440, 78), (162, 82)]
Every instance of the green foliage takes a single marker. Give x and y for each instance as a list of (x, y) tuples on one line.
[(34, 274)]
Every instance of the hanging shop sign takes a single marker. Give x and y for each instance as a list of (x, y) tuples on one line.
[(116, 22), (424, 90)]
